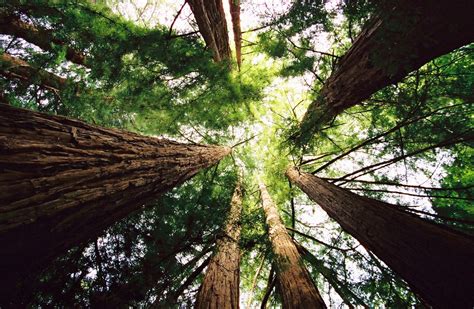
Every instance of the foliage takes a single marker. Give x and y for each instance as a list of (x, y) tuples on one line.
[(409, 144)]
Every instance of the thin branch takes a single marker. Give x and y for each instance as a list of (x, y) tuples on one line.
[(413, 194), (176, 17), (464, 221), (245, 141), (321, 242), (389, 183), (467, 136), (402, 124)]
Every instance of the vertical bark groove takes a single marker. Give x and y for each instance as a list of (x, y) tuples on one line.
[(297, 288), (436, 262)]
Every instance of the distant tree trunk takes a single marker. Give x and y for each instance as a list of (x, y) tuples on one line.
[(235, 15), (436, 262), (43, 38), (210, 18), (63, 181), (220, 288), (297, 288), (12, 67), (406, 35)]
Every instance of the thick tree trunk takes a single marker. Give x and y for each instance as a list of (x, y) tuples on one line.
[(13, 25), (62, 182), (406, 35), (210, 18), (220, 288), (436, 262), (297, 288), (12, 67), (235, 15)]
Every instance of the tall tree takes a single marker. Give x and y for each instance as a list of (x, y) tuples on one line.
[(220, 288), (297, 288), (435, 260), (235, 15), (210, 18), (399, 39), (63, 181)]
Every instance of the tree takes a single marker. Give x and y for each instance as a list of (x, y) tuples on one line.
[(386, 50), (220, 288), (297, 288), (210, 18), (433, 259), (13, 67), (235, 15), (13, 25), (57, 174), (147, 70)]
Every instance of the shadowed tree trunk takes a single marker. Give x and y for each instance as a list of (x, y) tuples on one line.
[(435, 261), (210, 18), (297, 288), (43, 38), (63, 181), (12, 67), (220, 288), (406, 35)]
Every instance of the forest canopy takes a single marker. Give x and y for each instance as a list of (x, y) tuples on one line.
[(265, 102)]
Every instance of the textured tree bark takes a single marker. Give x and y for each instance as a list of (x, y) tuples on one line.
[(297, 288), (220, 288), (43, 38), (235, 15), (63, 181), (435, 261), (408, 34), (210, 18), (12, 67)]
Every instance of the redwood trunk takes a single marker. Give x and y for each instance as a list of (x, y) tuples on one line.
[(62, 182), (297, 288), (235, 15), (210, 18), (13, 25), (399, 40), (12, 67), (220, 288), (435, 261)]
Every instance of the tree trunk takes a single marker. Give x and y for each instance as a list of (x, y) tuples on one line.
[(297, 288), (43, 38), (400, 39), (12, 67), (210, 18), (235, 15), (435, 261), (220, 288), (63, 181)]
